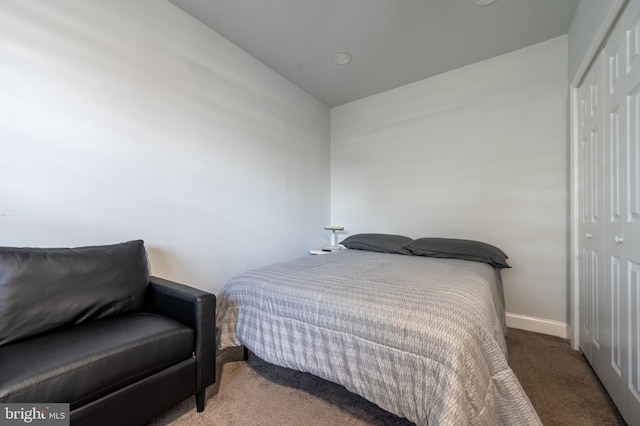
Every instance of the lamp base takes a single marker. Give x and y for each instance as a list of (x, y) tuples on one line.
[(334, 238)]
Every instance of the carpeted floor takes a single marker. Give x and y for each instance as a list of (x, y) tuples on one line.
[(559, 381), (560, 384)]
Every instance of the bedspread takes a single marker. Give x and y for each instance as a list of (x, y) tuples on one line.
[(420, 337)]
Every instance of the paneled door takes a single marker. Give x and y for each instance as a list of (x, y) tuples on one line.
[(591, 210), (629, 239), (609, 227), (612, 364)]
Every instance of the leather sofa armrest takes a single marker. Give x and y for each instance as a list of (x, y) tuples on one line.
[(195, 308)]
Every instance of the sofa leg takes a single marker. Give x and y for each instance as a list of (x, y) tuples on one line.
[(200, 401)]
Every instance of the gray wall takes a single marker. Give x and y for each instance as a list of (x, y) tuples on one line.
[(477, 153), (129, 119)]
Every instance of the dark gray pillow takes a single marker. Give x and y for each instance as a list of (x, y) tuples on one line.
[(459, 249), (383, 243), (45, 288)]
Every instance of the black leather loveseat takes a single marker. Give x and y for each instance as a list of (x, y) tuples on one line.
[(88, 326)]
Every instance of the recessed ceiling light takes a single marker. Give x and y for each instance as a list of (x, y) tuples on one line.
[(484, 2), (342, 58)]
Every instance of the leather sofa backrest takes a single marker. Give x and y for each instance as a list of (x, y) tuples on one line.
[(45, 288)]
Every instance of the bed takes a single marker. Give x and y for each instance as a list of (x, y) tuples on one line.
[(414, 326)]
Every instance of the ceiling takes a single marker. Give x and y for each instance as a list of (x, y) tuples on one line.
[(392, 42)]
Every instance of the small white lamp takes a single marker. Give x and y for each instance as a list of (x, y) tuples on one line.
[(334, 241)]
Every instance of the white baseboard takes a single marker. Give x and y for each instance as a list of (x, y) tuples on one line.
[(538, 325)]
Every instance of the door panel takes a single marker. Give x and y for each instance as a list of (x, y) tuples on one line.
[(612, 366), (591, 185), (629, 240), (617, 346), (633, 390), (609, 227)]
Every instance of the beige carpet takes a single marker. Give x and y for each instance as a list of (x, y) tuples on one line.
[(561, 385), (559, 382)]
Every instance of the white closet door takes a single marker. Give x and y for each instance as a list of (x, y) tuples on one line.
[(609, 182), (629, 240), (591, 206), (611, 368)]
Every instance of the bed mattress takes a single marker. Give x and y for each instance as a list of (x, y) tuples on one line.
[(420, 337)]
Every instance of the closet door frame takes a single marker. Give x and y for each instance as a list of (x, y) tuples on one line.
[(602, 33)]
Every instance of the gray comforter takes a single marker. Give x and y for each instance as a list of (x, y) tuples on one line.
[(420, 337)]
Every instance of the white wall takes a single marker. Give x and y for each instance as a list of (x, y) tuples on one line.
[(477, 153), (129, 119)]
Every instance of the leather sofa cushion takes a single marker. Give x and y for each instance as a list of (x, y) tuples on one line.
[(45, 288), (80, 364)]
